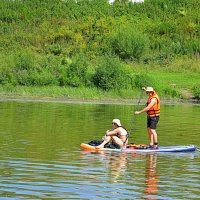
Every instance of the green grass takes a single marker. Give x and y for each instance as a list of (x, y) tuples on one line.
[(168, 85), (66, 92), (177, 81)]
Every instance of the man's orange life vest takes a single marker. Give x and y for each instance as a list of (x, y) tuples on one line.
[(155, 109)]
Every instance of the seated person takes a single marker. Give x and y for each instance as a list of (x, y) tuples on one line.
[(118, 135)]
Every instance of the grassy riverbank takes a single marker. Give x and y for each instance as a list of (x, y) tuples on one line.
[(170, 85)]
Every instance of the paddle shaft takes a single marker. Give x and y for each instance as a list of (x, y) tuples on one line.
[(134, 116)]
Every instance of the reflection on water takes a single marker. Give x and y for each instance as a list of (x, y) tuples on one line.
[(151, 181), (118, 165), (40, 156)]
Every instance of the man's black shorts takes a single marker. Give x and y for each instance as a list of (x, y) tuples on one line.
[(152, 122)]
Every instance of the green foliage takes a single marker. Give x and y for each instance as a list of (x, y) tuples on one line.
[(23, 70), (70, 27), (110, 74), (169, 91), (196, 91), (75, 73), (36, 78), (8, 77), (24, 61), (28, 77), (143, 80), (54, 42), (128, 43), (55, 49)]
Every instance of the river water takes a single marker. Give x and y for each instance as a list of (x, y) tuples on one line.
[(40, 156)]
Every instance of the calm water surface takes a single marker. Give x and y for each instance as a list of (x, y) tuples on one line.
[(40, 156)]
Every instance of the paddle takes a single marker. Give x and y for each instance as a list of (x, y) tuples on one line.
[(136, 108)]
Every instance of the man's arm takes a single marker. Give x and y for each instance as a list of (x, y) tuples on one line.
[(153, 101)]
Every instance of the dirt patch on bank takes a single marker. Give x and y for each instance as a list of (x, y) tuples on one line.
[(187, 94)]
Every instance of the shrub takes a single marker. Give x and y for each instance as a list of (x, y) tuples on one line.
[(23, 77), (74, 74), (196, 91), (7, 77), (38, 71), (24, 61), (43, 78), (128, 43), (55, 49), (110, 74)]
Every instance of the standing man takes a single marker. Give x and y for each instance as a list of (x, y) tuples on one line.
[(153, 112)]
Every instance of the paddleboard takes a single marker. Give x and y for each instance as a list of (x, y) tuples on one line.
[(183, 148)]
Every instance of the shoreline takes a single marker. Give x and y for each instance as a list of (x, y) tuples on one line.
[(119, 101)]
